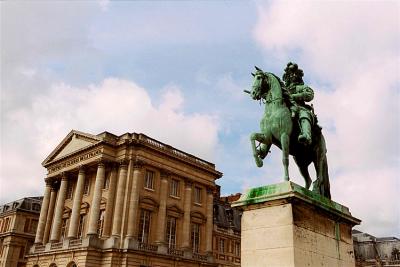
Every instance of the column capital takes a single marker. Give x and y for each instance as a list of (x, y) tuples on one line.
[(100, 162), (64, 176), (82, 169), (123, 165), (164, 174), (188, 183), (138, 164), (48, 182), (210, 190)]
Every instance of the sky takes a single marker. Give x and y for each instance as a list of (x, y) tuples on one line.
[(176, 71)]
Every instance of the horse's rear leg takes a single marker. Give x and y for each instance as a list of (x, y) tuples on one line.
[(321, 184), (303, 168), (285, 154)]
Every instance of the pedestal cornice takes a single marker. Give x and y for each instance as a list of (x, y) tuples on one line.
[(288, 191)]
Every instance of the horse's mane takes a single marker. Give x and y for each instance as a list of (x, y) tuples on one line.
[(285, 92)]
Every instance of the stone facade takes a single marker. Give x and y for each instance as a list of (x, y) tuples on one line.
[(226, 234), (18, 223), (376, 251), (124, 200)]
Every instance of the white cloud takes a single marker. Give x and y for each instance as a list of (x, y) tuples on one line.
[(115, 105), (104, 4), (228, 86), (353, 47)]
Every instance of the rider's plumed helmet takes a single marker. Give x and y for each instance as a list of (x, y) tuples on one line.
[(293, 74)]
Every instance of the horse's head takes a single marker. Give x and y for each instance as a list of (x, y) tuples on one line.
[(260, 84)]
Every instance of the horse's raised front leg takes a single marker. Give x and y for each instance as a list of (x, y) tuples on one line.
[(259, 153), (285, 154)]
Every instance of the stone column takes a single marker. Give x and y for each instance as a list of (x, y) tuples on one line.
[(95, 207), (43, 214), (56, 228), (110, 203), (186, 215), (49, 219), (134, 198), (119, 202), (209, 222), (76, 206), (162, 210)]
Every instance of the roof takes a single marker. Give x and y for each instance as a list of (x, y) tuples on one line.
[(77, 141), (388, 238), (32, 204)]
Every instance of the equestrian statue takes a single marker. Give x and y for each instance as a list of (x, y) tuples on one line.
[(290, 124)]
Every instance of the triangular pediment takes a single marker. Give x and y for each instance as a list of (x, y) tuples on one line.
[(73, 142)]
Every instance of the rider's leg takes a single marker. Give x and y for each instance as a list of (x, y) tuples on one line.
[(305, 136)]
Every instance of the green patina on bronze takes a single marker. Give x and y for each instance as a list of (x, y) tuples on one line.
[(288, 189), (289, 123)]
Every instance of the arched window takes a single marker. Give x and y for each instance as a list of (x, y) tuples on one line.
[(53, 265), (72, 264), (36, 265)]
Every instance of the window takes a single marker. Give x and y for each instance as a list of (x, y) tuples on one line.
[(33, 226), (81, 225), (174, 188), (237, 249), (149, 180), (86, 186), (64, 228), (6, 225), (171, 232), (36, 206), (70, 190), (100, 224), (26, 226), (144, 226), (22, 252), (195, 237), (197, 194), (222, 245)]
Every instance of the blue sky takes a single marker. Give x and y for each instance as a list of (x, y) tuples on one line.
[(177, 70)]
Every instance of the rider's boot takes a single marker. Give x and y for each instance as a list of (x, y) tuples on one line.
[(305, 136)]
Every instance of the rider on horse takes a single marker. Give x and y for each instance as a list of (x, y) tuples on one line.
[(299, 93)]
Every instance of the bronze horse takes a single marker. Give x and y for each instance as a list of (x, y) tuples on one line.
[(278, 128)]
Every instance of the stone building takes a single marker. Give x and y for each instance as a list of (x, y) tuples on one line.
[(18, 223), (226, 234), (376, 251), (124, 200)]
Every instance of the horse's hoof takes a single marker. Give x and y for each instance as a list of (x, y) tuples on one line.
[(259, 163), (308, 184)]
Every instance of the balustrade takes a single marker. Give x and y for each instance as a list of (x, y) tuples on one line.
[(147, 247), (200, 257), (175, 252)]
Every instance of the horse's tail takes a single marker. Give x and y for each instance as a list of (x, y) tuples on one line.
[(321, 184)]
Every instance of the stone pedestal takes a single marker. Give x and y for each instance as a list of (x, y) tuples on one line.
[(286, 225)]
